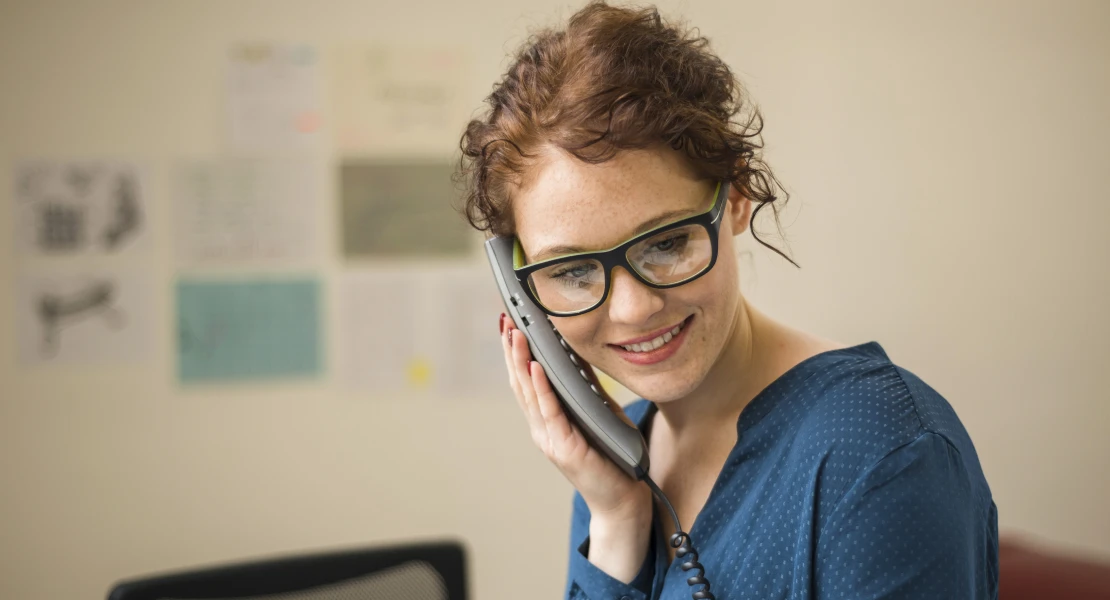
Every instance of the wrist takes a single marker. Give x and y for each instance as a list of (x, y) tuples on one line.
[(619, 547), (633, 512)]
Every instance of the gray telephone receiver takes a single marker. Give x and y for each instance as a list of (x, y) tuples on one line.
[(581, 400)]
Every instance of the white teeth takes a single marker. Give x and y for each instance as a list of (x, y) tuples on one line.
[(655, 343)]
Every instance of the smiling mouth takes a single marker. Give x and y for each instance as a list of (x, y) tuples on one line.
[(655, 343)]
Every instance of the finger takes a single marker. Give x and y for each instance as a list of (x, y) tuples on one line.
[(559, 431), (518, 356), (513, 383), (521, 357), (514, 378)]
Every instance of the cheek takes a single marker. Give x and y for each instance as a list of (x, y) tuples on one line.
[(716, 290), (578, 331)]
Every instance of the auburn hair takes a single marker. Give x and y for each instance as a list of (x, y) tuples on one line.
[(613, 79)]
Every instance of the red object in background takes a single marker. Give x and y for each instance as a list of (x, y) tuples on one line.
[(1029, 572)]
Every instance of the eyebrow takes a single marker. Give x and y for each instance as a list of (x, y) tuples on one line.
[(667, 217)]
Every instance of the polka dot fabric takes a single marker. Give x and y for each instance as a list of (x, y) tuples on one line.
[(850, 479)]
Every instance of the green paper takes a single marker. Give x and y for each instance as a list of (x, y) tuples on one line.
[(240, 330)]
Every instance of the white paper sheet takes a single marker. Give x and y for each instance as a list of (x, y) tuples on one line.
[(421, 330), (246, 210), (273, 98), (385, 342), (471, 356), (394, 99), (92, 317), (80, 208)]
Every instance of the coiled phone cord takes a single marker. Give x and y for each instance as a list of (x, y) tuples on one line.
[(684, 546)]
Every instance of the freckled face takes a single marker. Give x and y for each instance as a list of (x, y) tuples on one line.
[(565, 202)]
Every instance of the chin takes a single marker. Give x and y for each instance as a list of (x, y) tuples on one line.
[(666, 387)]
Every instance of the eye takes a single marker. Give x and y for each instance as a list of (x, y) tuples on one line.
[(672, 243), (576, 271)]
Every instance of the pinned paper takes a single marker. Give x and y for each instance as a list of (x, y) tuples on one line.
[(236, 330), (69, 208), (246, 210), (397, 99), (273, 97), (470, 345), (382, 331), (96, 316), (401, 209)]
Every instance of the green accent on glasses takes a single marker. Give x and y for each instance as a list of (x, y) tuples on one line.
[(664, 257)]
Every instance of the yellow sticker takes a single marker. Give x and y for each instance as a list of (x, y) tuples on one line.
[(419, 372)]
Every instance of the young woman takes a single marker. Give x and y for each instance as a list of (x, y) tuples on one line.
[(802, 467)]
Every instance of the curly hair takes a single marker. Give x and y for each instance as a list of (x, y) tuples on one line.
[(614, 79)]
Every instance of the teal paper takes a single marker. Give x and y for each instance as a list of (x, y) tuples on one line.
[(235, 330)]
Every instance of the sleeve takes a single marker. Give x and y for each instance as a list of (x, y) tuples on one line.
[(587, 582), (916, 525)]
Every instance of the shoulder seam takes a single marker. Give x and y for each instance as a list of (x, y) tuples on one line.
[(921, 422), (909, 393)]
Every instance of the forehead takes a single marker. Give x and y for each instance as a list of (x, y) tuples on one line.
[(565, 201)]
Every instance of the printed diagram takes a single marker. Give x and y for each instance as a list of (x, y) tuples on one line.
[(61, 227), (55, 311), (126, 214), (95, 316), (77, 207)]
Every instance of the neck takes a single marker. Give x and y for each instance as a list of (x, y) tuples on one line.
[(749, 362)]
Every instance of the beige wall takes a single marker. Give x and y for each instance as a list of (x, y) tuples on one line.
[(948, 163)]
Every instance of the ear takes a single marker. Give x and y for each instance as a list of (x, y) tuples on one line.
[(739, 210)]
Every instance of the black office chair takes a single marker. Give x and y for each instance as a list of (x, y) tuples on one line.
[(431, 571)]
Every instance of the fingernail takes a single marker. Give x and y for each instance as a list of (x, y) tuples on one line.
[(501, 324)]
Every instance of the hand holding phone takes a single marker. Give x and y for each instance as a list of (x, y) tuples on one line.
[(607, 490), (620, 507), (568, 374), (576, 424)]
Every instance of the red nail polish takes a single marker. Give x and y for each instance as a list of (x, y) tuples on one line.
[(501, 324)]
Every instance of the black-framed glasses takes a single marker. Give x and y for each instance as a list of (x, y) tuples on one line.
[(664, 257)]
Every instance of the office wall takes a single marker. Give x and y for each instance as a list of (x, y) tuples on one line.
[(947, 163)]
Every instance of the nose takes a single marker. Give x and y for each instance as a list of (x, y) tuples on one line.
[(630, 301)]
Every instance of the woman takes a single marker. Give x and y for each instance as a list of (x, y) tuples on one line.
[(807, 468)]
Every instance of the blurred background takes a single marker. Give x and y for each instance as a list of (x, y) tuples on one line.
[(241, 319)]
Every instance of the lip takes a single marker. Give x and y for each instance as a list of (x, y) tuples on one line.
[(650, 336), (659, 354)]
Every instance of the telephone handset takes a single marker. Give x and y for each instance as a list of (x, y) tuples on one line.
[(580, 398)]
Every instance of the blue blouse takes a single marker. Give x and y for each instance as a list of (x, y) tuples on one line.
[(851, 478)]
